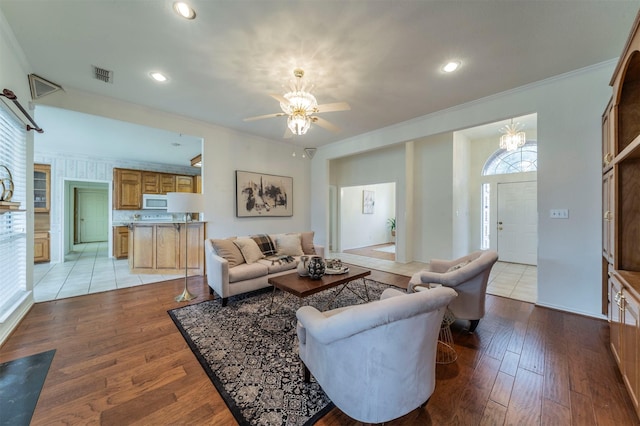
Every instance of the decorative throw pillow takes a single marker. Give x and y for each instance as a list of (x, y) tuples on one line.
[(249, 249), (289, 245), (265, 244), (306, 240), (458, 266), (229, 251)]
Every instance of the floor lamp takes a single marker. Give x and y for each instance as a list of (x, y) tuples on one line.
[(187, 203)]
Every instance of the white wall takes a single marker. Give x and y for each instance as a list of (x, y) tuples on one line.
[(358, 229), (433, 198), (460, 219), (569, 111)]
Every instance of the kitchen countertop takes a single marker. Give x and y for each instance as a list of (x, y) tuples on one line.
[(151, 222)]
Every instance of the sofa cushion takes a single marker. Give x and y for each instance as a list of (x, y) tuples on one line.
[(289, 245), (278, 265), (247, 271), (249, 249), (306, 240), (266, 245), (228, 251)]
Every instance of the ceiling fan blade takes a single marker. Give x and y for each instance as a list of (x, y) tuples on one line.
[(325, 124), (279, 98), (336, 106), (288, 134), (260, 117)]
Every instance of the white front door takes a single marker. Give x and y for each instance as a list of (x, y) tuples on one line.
[(93, 215), (517, 224)]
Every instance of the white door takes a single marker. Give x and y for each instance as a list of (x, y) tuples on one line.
[(518, 222), (93, 220)]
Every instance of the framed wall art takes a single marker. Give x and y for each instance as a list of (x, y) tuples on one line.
[(263, 195), (368, 201)]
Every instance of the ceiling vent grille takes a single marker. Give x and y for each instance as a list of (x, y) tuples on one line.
[(102, 74), (41, 87)]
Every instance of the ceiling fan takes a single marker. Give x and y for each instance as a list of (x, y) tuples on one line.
[(299, 105)]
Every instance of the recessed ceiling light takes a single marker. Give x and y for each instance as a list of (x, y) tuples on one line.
[(451, 66), (184, 10), (158, 76)]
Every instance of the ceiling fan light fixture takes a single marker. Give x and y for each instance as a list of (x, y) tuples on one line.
[(184, 10), (298, 123)]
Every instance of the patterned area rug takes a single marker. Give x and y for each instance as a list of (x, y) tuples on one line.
[(251, 356)]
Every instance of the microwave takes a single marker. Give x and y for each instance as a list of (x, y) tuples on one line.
[(154, 201)]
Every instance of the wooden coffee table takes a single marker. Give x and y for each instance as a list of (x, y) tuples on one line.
[(304, 286)]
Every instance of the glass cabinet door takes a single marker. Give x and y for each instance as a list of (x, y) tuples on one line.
[(41, 187)]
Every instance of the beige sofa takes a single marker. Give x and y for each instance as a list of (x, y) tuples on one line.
[(238, 265)]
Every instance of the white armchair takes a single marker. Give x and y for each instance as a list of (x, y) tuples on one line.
[(376, 361), (468, 275)]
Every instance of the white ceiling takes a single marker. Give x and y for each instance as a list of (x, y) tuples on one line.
[(382, 57)]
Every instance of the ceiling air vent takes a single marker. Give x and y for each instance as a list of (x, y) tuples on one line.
[(41, 87), (102, 74)]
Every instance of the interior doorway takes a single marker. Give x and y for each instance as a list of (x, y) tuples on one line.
[(517, 222), (364, 218), (91, 215), (91, 201)]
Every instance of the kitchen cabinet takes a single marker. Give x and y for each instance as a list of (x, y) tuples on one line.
[(621, 213), (167, 183), (159, 248), (198, 185), (184, 183), (41, 188), (127, 189), (151, 183), (129, 185), (120, 242), (41, 247)]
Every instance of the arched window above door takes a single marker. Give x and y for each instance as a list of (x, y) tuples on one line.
[(522, 160)]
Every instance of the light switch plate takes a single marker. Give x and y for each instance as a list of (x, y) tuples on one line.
[(559, 213)]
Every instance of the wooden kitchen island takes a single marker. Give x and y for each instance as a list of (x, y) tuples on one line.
[(159, 248)]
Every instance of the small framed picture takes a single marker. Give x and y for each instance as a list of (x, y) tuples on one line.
[(368, 201)]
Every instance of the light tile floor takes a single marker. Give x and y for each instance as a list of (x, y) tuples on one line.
[(511, 280), (88, 270)]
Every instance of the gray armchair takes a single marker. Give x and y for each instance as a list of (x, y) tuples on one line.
[(376, 361), (468, 275)]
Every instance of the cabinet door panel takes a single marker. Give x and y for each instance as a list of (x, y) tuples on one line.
[(184, 184), (167, 247), (150, 183), (615, 316), (631, 346), (128, 187), (167, 183), (141, 247)]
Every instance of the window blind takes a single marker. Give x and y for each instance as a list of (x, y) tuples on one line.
[(13, 224)]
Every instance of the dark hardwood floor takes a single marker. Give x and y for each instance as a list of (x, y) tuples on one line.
[(121, 360)]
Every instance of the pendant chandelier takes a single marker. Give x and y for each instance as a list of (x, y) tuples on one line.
[(513, 138), (301, 104)]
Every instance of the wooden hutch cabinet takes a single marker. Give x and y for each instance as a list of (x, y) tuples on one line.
[(621, 214)]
